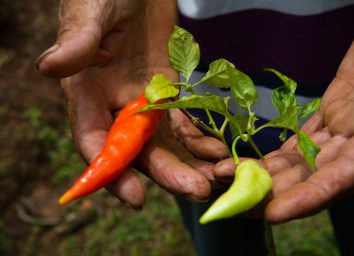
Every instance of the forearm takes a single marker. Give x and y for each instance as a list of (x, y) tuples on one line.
[(162, 16)]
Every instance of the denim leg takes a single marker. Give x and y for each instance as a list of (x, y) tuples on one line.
[(237, 236), (342, 218)]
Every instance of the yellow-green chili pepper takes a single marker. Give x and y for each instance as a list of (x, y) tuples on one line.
[(250, 186)]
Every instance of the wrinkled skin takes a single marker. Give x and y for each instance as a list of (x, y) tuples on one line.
[(107, 49)]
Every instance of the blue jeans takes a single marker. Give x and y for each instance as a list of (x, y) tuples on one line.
[(236, 236)]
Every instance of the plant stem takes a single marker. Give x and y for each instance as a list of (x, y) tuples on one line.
[(196, 121), (220, 131), (211, 120), (254, 146), (224, 125), (233, 149), (262, 127), (188, 87), (181, 84), (269, 238), (218, 134)]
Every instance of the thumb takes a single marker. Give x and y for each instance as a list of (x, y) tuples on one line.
[(79, 36)]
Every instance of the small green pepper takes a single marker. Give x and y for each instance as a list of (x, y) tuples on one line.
[(250, 186)]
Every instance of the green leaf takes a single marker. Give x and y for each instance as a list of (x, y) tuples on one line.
[(238, 124), (288, 82), (310, 108), (160, 87), (283, 98), (288, 119), (218, 74), (183, 51), (211, 102), (242, 88), (308, 148)]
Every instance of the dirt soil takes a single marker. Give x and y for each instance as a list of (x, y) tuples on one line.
[(27, 29)]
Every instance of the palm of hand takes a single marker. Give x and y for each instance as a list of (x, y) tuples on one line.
[(299, 192)]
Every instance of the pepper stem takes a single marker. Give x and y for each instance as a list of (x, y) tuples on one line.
[(233, 149)]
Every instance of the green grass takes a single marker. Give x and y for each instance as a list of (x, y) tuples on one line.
[(156, 230), (5, 242), (312, 236)]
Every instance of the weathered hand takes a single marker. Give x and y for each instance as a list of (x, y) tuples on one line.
[(107, 50), (128, 34), (297, 192)]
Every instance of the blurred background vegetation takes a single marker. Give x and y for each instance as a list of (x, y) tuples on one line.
[(38, 161)]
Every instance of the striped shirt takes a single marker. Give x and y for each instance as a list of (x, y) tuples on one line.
[(304, 39)]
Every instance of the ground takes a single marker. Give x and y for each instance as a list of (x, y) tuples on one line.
[(38, 162)]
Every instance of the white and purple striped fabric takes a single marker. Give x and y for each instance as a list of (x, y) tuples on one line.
[(304, 39)]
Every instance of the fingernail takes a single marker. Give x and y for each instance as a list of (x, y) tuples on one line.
[(41, 57)]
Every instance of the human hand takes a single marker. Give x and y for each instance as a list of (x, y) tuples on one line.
[(106, 50), (297, 191)]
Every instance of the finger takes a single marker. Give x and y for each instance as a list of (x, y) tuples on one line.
[(200, 145), (278, 161), (313, 195), (319, 137), (166, 169), (186, 157), (83, 24), (281, 182), (128, 188), (78, 39), (167, 137), (224, 170), (315, 123), (290, 177), (330, 150), (289, 155)]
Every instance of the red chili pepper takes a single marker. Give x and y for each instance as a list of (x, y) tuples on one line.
[(127, 136)]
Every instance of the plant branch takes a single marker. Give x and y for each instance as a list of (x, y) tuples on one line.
[(233, 149), (211, 120), (262, 127), (198, 122), (181, 84), (224, 125), (201, 124), (254, 146)]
